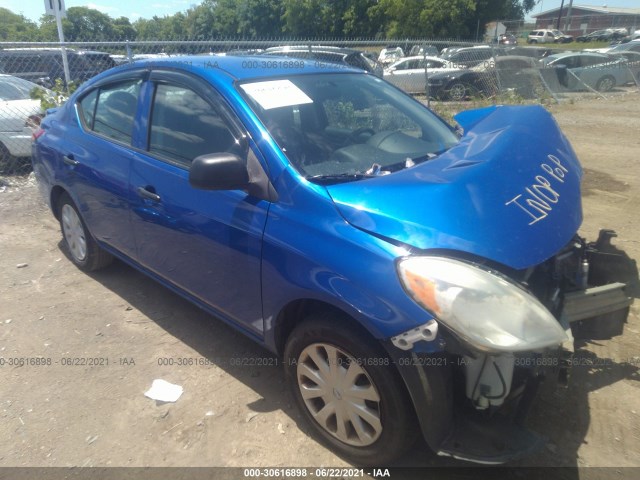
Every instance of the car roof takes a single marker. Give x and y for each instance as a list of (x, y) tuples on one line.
[(523, 58), (421, 57), (313, 48), (571, 54), (238, 67), (12, 78)]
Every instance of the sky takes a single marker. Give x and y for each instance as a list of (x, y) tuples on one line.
[(132, 9), (135, 9)]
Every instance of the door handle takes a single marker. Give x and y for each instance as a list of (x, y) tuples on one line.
[(69, 160), (149, 195)]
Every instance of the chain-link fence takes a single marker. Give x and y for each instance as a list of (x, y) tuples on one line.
[(32, 75)]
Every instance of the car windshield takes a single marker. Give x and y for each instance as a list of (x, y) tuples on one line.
[(343, 127), (12, 88)]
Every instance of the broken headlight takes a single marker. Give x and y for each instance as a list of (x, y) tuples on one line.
[(486, 309)]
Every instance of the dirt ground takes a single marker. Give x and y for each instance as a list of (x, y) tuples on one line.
[(233, 415)]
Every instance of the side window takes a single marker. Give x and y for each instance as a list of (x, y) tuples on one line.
[(115, 110), (88, 108), (433, 64), (185, 126), (589, 60)]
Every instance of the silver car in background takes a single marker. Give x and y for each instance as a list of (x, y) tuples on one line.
[(583, 70), (17, 111), (411, 73)]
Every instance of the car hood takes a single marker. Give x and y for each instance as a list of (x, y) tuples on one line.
[(509, 191)]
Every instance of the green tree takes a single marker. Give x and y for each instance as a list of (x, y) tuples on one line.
[(362, 18), (260, 18), (123, 30), (16, 28), (200, 22), (87, 24)]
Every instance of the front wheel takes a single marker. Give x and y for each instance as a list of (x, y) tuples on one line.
[(348, 391), (457, 91), (83, 249)]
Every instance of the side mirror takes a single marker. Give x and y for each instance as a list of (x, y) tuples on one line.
[(219, 171)]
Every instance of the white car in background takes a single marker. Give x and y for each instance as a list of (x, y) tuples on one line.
[(17, 111), (409, 73), (389, 55)]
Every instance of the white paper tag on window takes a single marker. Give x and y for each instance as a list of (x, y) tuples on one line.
[(276, 94)]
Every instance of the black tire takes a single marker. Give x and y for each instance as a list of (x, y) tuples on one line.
[(606, 83), (7, 160), (81, 247), (538, 90), (393, 428)]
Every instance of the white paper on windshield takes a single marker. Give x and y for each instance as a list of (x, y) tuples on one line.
[(276, 94)]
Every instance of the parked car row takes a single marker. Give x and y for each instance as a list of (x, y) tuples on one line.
[(568, 71), (606, 35), (44, 65)]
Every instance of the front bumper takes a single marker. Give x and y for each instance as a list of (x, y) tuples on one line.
[(452, 421), (452, 427)]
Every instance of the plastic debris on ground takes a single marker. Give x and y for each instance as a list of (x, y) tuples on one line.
[(164, 391)]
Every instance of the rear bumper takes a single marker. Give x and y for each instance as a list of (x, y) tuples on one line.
[(18, 143)]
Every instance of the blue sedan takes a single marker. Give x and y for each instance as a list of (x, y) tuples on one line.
[(413, 278)]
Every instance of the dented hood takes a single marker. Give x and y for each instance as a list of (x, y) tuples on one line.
[(509, 191)]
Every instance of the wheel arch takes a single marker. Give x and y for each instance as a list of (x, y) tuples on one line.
[(54, 198), (298, 310)]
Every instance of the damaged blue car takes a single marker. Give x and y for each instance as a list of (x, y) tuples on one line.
[(414, 278)]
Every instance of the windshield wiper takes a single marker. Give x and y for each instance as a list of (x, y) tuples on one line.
[(339, 177)]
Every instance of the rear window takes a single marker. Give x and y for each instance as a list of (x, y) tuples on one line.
[(110, 110)]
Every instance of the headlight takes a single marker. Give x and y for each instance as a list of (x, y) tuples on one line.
[(487, 310)]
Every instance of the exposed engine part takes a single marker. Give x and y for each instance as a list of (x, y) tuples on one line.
[(609, 264), (488, 379)]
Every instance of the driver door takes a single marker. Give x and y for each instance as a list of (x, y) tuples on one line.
[(206, 243)]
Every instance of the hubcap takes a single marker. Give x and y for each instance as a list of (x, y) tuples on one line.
[(339, 394), (457, 92), (74, 233), (606, 84)]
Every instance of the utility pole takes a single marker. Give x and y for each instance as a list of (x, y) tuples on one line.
[(56, 8), (560, 15), (567, 22)]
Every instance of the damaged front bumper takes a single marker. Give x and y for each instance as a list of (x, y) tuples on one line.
[(472, 403)]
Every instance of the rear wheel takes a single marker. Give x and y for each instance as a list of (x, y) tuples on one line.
[(6, 160), (348, 391), (83, 249), (606, 83)]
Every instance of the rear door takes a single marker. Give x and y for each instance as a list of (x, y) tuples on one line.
[(207, 243), (96, 158)]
